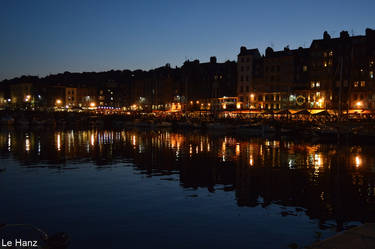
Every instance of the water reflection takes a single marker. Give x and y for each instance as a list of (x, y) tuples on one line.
[(329, 181)]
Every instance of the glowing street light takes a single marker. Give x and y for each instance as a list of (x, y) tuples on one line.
[(358, 161)]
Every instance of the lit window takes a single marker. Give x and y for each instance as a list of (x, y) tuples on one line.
[(363, 83), (355, 84), (371, 74), (318, 94), (312, 84), (331, 53), (304, 68), (317, 84)]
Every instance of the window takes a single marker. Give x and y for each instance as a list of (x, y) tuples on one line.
[(241, 89), (272, 78), (355, 84), (325, 64), (330, 53), (241, 68), (278, 68), (247, 88), (260, 98), (312, 84), (241, 78), (304, 68), (247, 59), (272, 68), (317, 84), (247, 77), (363, 83), (318, 94), (247, 68), (371, 74)]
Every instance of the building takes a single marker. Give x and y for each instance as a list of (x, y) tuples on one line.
[(334, 74), (247, 61)]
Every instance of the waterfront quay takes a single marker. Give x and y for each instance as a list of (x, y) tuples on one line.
[(362, 237), (320, 125)]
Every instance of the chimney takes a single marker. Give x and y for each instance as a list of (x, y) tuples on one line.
[(269, 51), (326, 36), (213, 59), (344, 34)]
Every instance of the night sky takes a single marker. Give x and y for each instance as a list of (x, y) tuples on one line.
[(42, 37)]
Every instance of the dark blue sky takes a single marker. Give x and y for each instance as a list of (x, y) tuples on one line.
[(40, 37)]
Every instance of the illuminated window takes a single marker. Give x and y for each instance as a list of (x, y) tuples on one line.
[(325, 54), (355, 84), (312, 84), (371, 74), (304, 68), (363, 83), (317, 84), (318, 94), (331, 53)]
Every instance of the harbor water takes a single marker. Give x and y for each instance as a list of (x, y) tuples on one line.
[(134, 188)]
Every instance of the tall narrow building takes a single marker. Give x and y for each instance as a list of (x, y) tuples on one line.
[(245, 67)]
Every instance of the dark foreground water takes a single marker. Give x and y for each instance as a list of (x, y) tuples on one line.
[(166, 189)]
